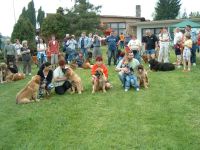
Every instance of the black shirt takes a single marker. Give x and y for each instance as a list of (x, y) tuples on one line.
[(150, 41)]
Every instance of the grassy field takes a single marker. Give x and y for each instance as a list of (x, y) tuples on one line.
[(165, 116)]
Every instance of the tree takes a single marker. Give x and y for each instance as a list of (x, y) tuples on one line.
[(184, 16), (55, 24), (24, 13), (40, 16), (24, 30), (194, 15), (31, 13), (83, 17), (167, 9)]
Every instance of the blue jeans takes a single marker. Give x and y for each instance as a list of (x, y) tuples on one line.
[(136, 55), (150, 51), (112, 53), (131, 80), (193, 53), (84, 52), (122, 78)]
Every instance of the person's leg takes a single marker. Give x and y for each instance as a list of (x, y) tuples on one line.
[(193, 54), (59, 90), (24, 66), (121, 78), (127, 83), (29, 66), (67, 85), (95, 52), (166, 52), (134, 82), (109, 57), (52, 59), (161, 52), (115, 57)]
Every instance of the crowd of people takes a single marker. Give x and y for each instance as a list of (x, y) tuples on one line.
[(126, 51)]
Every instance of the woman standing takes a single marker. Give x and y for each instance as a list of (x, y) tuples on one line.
[(41, 52), (26, 58)]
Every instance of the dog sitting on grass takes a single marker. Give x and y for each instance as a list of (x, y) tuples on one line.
[(29, 93), (142, 76)]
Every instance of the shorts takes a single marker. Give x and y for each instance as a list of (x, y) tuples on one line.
[(150, 51), (186, 54)]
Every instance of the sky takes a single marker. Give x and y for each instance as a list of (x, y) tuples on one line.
[(109, 7)]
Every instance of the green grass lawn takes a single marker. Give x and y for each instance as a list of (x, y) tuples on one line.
[(164, 116)]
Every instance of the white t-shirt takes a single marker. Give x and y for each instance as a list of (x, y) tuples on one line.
[(41, 47), (58, 73), (134, 44), (178, 37), (18, 48), (164, 37)]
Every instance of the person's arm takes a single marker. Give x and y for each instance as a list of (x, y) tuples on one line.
[(118, 67), (56, 76), (105, 71), (5, 52)]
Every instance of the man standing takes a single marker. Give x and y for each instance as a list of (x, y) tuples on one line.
[(112, 41), (193, 34), (150, 42), (10, 53), (83, 44)]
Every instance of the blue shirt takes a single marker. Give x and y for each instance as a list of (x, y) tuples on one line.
[(112, 42)]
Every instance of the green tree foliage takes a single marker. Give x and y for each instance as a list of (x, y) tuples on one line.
[(24, 13), (31, 13), (55, 24), (184, 16), (167, 9), (40, 16), (24, 30), (194, 15), (83, 17)]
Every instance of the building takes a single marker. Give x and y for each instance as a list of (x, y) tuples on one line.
[(121, 24), (156, 26)]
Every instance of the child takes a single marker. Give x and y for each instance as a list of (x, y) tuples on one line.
[(178, 50), (187, 52)]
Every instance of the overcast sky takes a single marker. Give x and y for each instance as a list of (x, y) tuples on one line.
[(109, 7)]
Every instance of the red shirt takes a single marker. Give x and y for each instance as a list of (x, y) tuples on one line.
[(54, 47), (95, 66)]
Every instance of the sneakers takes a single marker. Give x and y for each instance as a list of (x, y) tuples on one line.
[(137, 89), (29, 74), (194, 64), (126, 90)]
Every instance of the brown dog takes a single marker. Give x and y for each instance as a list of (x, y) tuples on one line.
[(99, 81), (75, 80), (15, 77), (142, 76), (29, 93), (86, 64), (3, 72)]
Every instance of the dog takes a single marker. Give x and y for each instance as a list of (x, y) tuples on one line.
[(157, 66), (29, 93), (86, 64), (3, 72), (15, 77), (99, 81), (145, 58), (75, 80), (142, 76)]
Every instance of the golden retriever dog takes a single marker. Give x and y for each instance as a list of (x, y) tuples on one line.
[(142, 76), (15, 77), (99, 82), (145, 58), (75, 80), (29, 92)]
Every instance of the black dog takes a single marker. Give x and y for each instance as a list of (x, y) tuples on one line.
[(157, 66)]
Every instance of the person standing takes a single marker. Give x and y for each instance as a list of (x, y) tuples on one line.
[(96, 46), (71, 48), (54, 50), (10, 53), (193, 34), (122, 38), (187, 52), (135, 46), (164, 39), (112, 41), (84, 44), (26, 58), (41, 52), (18, 47), (150, 44)]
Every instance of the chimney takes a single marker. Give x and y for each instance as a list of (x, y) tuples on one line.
[(138, 11)]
